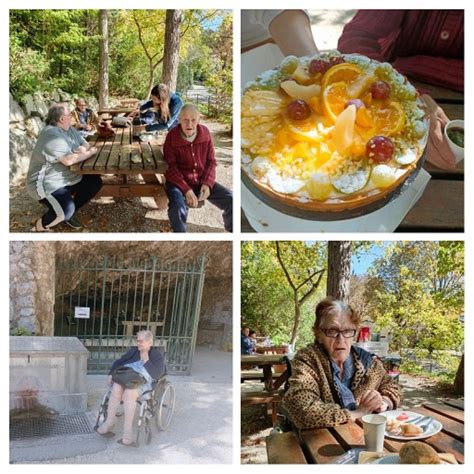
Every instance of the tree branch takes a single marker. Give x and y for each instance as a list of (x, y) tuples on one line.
[(277, 245), (312, 290)]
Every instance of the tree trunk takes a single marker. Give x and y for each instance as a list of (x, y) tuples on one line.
[(339, 269), (171, 49), (459, 380), (104, 59), (296, 322)]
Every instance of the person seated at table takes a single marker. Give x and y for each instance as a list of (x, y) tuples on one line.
[(253, 339), (333, 381), (191, 173), (246, 345), (83, 118), (161, 112), (49, 179)]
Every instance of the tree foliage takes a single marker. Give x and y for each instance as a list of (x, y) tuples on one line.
[(52, 49)]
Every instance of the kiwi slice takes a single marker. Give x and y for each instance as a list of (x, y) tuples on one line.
[(349, 182)]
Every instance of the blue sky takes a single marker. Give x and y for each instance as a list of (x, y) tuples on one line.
[(361, 264)]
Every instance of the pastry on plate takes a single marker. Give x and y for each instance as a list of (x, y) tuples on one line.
[(416, 452)]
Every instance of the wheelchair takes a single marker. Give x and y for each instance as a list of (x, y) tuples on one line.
[(155, 407)]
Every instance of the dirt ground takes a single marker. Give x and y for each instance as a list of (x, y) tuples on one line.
[(131, 214), (256, 424)]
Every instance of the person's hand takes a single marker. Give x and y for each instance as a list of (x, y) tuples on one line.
[(371, 401), (109, 380), (139, 129), (205, 192), (438, 151), (88, 127), (133, 114), (191, 199)]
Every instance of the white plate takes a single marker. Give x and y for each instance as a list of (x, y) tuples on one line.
[(434, 427)]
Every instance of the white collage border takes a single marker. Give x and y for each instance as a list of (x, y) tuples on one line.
[(236, 237)]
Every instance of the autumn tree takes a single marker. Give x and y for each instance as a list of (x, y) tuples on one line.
[(169, 75), (339, 269), (104, 59)]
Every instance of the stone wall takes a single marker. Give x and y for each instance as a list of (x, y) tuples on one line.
[(32, 272), (26, 122), (215, 323)]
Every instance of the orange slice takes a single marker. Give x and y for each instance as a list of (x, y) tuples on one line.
[(305, 130), (388, 117), (334, 99), (345, 72)]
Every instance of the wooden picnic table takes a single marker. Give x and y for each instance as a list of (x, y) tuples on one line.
[(266, 362), (113, 111), (125, 156), (441, 207), (325, 446)]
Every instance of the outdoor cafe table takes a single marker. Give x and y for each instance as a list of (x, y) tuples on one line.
[(325, 446), (265, 362), (125, 156), (441, 207)]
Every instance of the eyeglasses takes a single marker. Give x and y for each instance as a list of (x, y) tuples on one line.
[(334, 333)]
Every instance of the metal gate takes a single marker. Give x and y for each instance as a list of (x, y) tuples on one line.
[(105, 301)]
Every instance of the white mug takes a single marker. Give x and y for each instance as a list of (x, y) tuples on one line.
[(456, 149), (374, 431)]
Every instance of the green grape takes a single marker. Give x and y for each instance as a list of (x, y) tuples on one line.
[(288, 65)]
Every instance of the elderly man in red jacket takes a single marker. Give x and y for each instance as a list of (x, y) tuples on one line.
[(191, 173)]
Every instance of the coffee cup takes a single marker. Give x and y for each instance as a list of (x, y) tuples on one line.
[(374, 431), (453, 128)]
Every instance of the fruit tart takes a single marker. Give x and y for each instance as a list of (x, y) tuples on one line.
[(331, 133)]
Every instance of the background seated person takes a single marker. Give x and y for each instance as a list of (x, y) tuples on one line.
[(246, 345), (83, 118), (191, 173), (161, 112), (49, 179), (332, 381)]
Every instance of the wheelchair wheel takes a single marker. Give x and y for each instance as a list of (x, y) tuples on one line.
[(102, 415), (164, 406)]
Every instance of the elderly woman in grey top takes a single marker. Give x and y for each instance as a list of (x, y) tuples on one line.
[(148, 361), (50, 180)]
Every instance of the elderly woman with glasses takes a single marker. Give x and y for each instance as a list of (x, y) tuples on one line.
[(333, 381), (149, 362)]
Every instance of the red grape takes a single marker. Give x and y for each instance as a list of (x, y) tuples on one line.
[(380, 90), (298, 110), (322, 65), (357, 102), (379, 148)]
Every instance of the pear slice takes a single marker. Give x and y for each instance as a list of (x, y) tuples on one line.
[(301, 75), (343, 131), (355, 89), (297, 91)]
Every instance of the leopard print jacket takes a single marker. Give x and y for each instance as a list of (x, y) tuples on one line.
[(312, 400)]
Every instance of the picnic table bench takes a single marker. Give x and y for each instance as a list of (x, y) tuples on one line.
[(125, 156), (326, 445), (441, 207)]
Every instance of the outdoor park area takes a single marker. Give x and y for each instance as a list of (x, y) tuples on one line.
[(401, 302), (104, 65)]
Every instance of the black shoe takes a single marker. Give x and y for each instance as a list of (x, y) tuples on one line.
[(74, 223)]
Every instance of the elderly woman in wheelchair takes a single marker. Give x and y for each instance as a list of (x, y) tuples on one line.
[(137, 377)]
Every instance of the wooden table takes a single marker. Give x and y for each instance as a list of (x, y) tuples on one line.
[(113, 111), (129, 326), (324, 446), (126, 156), (266, 362), (441, 207)]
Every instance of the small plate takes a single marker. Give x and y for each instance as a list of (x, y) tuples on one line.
[(434, 427)]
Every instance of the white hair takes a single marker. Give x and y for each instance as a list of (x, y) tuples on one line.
[(146, 334)]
